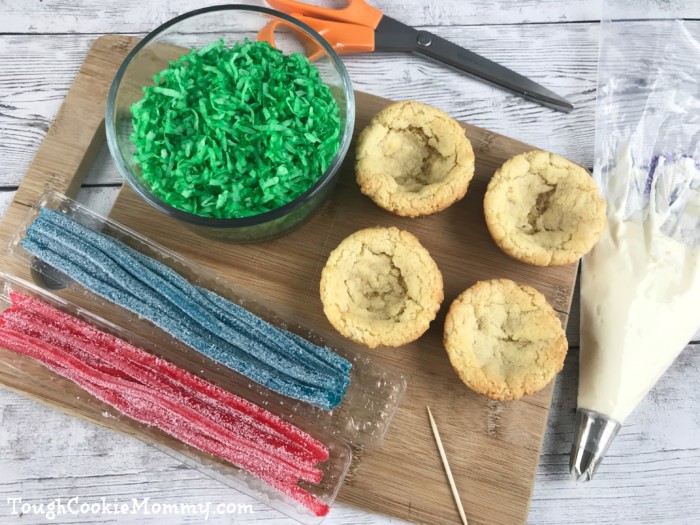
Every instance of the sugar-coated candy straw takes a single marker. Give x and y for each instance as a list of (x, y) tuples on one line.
[(155, 392), (219, 423), (184, 330), (142, 406), (126, 280), (202, 319), (200, 387)]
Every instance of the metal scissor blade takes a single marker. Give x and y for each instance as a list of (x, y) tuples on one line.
[(392, 35)]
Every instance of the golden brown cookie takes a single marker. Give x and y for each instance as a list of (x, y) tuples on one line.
[(413, 159), (504, 339), (381, 287), (543, 209)]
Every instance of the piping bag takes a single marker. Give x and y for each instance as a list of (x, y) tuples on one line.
[(640, 284)]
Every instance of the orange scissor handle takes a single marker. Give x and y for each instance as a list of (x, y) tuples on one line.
[(343, 38), (267, 34), (356, 12)]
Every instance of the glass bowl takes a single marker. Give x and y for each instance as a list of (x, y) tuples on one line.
[(194, 30)]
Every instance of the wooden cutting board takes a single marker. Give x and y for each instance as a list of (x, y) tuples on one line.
[(493, 447)]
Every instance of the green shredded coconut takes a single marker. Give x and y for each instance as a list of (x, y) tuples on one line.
[(235, 131)]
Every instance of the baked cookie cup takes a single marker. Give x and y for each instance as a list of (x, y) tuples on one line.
[(413, 159), (543, 209), (504, 340), (380, 286)]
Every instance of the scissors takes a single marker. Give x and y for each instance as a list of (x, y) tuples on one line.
[(361, 28)]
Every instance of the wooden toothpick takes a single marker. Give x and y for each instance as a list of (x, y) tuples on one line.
[(455, 494)]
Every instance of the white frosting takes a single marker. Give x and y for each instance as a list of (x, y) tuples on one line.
[(640, 286)]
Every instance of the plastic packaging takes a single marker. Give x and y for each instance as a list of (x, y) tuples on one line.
[(65, 392), (640, 287), (361, 420), (363, 417)]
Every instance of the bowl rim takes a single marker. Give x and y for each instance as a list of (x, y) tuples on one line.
[(252, 220)]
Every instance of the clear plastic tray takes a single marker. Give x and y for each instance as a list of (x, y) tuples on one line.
[(361, 420), (73, 398), (375, 391)]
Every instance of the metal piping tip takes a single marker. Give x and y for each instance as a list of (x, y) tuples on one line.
[(592, 437)]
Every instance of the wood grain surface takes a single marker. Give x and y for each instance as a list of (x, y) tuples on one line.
[(494, 446), (650, 474), (131, 16)]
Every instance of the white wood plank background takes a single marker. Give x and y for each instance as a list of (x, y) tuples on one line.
[(651, 474)]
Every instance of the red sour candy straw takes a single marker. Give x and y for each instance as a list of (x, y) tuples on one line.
[(257, 436), (146, 407), (195, 384), (286, 487), (157, 392), (85, 375)]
